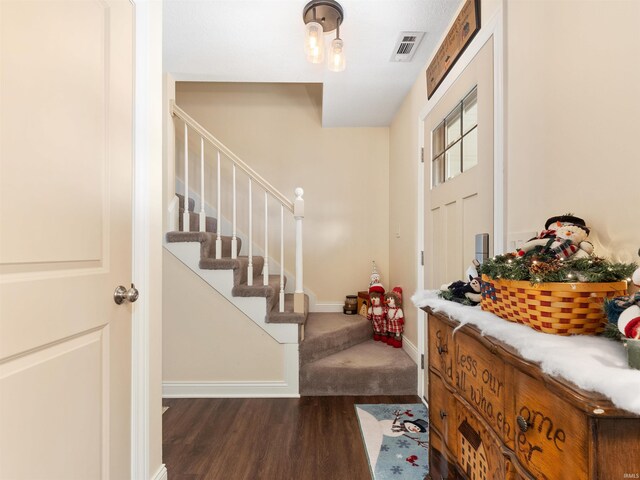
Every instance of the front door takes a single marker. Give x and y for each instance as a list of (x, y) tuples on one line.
[(459, 159), (459, 138), (66, 86)]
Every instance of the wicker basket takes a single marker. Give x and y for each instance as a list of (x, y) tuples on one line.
[(560, 308)]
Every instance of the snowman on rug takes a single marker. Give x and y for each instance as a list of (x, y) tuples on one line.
[(569, 242), (395, 317)]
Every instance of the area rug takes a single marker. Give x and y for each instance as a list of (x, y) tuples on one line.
[(396, 439)]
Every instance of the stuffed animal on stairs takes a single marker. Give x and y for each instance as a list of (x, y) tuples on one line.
[(377, 312), (395, 317)]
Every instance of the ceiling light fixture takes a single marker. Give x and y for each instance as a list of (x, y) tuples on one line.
[(323, 16)]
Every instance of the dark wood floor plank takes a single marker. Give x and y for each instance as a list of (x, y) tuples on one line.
[(308, 438)]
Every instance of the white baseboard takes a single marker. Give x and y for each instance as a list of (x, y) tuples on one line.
[(161, 474), (411, 350), (327, 307), (229, 390)]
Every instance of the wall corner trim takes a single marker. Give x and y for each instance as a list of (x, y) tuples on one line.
[(161, 474)]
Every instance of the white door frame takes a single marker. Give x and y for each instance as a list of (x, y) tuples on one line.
[(147, 241), (494, 28)]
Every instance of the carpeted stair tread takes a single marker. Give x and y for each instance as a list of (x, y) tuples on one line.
[(368, 368), (192, 202), (288, 316), (329, 333), (259, 290), (207, 243)]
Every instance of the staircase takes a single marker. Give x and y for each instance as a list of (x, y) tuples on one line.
[(241, 287), (325, 353)]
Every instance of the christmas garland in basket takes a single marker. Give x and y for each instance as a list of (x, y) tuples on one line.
[(530, 289)]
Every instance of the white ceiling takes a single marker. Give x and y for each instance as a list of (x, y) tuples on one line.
[(262, 41)]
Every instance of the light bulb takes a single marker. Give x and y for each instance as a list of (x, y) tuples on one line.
[(336, 61), (314, 42)]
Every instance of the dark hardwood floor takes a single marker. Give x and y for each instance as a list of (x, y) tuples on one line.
[(308, 438)]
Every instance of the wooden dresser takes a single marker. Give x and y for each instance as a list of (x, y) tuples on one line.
[(494, 415)]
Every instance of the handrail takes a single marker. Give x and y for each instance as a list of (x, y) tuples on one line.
[(178, 112)]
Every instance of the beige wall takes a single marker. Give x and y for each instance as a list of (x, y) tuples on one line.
[(276, 129), (573, 108), (206, 338), (403, 195)]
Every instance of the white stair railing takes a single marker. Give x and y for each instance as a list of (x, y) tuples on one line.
[(296, 208)]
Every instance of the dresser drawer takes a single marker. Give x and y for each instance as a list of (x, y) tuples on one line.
[(479, 455), (442, 414), (479, 376), (552, 439), (441, 348)]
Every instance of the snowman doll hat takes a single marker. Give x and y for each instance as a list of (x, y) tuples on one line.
[(567, 219), (397, 292), (376, 288)]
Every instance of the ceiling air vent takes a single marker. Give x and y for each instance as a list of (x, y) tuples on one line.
[(406, 46)]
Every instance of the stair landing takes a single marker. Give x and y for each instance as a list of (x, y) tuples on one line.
[(338, 357)]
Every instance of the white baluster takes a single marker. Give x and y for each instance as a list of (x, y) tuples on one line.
[(298, 213), (265, 269), (185, 213), (234, 240), (281, 258), (250, 266), (218, 221), (203, 216)]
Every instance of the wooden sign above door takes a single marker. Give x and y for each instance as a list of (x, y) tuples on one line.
[(459, 36)]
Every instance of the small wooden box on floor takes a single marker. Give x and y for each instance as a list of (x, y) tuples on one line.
[(494, 415), (363, 303)]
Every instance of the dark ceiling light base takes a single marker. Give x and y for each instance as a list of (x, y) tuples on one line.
[(328, 13)]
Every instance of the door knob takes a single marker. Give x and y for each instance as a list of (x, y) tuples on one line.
[(123, 295)]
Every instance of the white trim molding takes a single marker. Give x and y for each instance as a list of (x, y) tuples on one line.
[(285, 388), (161, 474), (147, 232), (411, 350), (327, 307)]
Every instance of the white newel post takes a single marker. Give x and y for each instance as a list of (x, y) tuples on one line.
[(298, 214), (185, 214), (203, 216), (218, 216), (281, 258), (250, 266), (265, 269), (234, 239)]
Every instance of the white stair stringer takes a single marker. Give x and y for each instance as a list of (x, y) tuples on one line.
[(222, 281)]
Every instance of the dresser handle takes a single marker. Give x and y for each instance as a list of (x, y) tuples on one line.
[(522, 423), (442, 349), (442, 414)]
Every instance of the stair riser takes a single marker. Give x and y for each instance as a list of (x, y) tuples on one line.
[(315, 381)]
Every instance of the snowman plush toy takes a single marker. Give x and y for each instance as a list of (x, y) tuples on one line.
[(566, 238)]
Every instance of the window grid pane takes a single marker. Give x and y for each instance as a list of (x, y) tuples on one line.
[(470, 111), (455, 141)]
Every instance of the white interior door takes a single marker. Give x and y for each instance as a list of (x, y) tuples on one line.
[(66, 86)]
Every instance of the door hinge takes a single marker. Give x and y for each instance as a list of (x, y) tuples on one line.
[(422, 154), (422, 361), (422, 258)]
